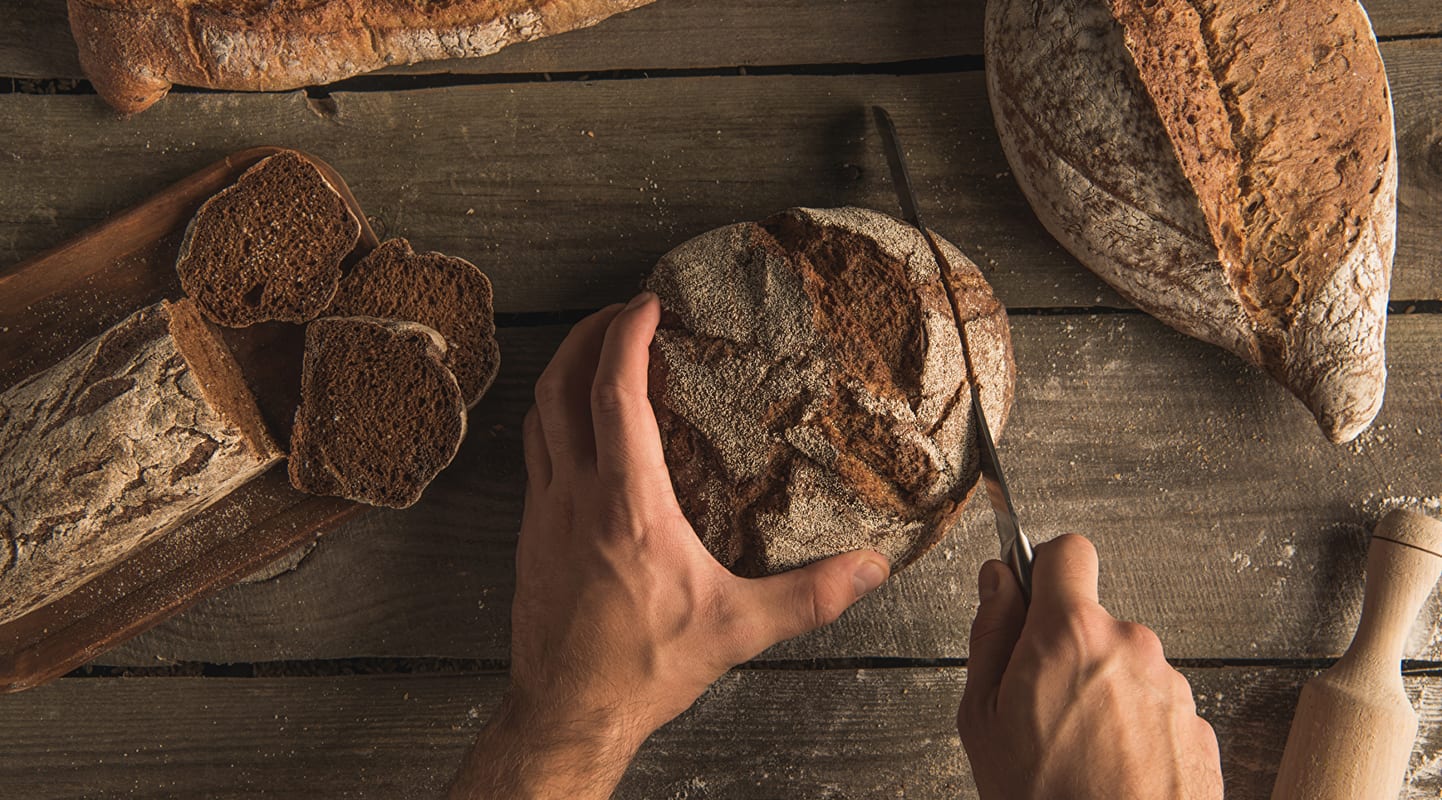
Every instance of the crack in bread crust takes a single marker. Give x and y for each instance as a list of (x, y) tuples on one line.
[(810, 388)]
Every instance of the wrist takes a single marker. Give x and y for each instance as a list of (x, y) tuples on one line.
[(538, 751)]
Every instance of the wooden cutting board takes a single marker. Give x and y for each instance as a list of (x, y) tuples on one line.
[(55, 302)]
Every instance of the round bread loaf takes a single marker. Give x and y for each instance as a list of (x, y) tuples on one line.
[(811, 386)]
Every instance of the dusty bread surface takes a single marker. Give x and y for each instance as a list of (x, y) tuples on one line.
[(380, 413), (1230, 169), (811, 386), (141, 428), (269, 246), (442, 292), (134, 50)]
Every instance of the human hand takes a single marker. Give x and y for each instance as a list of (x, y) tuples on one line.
[(1065, 702), (621, 617)]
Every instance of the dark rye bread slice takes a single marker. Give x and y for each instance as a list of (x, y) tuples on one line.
[(446, 293), (812, 391), (380, 413), (268, 247)]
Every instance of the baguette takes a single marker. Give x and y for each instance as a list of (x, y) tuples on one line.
[(134, 50)]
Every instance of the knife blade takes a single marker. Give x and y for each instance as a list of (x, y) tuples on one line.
[(1016, 548)]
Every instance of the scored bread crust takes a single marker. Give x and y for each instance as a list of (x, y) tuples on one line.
[(134, 50), (811, 386), (135, 432), (1230, 170)]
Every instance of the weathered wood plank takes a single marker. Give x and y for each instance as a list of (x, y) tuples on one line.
[(678, 34), (757, 733), (671, 34), (1225, 520), (567, 193)]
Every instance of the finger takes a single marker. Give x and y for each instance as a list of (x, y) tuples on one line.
[(563, 392), (779, 607), (538, 461), (628, 443), (1064, 574), (994, 634)]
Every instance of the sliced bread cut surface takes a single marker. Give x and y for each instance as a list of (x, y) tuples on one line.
[(268, 247), (446, 293), (380, 413)]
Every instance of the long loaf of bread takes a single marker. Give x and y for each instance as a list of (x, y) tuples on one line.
[(134, 50), (1228, 166), (144, 426)]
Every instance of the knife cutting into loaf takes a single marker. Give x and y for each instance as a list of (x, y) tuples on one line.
[(1015, 546)]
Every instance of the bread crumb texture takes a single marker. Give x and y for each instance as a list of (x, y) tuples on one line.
[(380, 413), (1227, 166), (268, 247), (810, 384), (443, 292)]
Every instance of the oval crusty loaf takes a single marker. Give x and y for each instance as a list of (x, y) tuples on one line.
[(269, 246), (811, 386), (134, 50), (1228, 167), (142, 427)]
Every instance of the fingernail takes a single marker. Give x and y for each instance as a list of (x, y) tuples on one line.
[(639, 300), (868, 576), (987, 584)]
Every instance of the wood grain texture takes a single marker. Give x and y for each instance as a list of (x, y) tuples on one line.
[(36, 43), (757, 733), (460, 170), (1224, 519)]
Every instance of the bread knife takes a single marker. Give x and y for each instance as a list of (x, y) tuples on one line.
[(1015, 546)]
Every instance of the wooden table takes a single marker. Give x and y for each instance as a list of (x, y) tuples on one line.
[(564, 168)]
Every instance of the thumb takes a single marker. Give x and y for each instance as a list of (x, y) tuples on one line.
[(781, 606), (994, 634)]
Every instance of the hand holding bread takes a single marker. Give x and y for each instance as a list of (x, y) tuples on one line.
[(621, 617)]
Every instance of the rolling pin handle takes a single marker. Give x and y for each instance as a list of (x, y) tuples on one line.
[(1354, 727)]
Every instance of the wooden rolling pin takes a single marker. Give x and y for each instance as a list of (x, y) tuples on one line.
[(1354, 727)]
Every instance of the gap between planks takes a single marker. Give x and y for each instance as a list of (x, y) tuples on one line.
[(755, 733), (461, 666), (543, 187), (36, 43), (1224, 519)]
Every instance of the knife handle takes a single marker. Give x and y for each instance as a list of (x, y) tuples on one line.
[(1019, 556)]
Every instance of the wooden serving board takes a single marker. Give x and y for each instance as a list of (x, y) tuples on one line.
[(54, 303)]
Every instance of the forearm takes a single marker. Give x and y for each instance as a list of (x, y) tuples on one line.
[(524, 755)]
